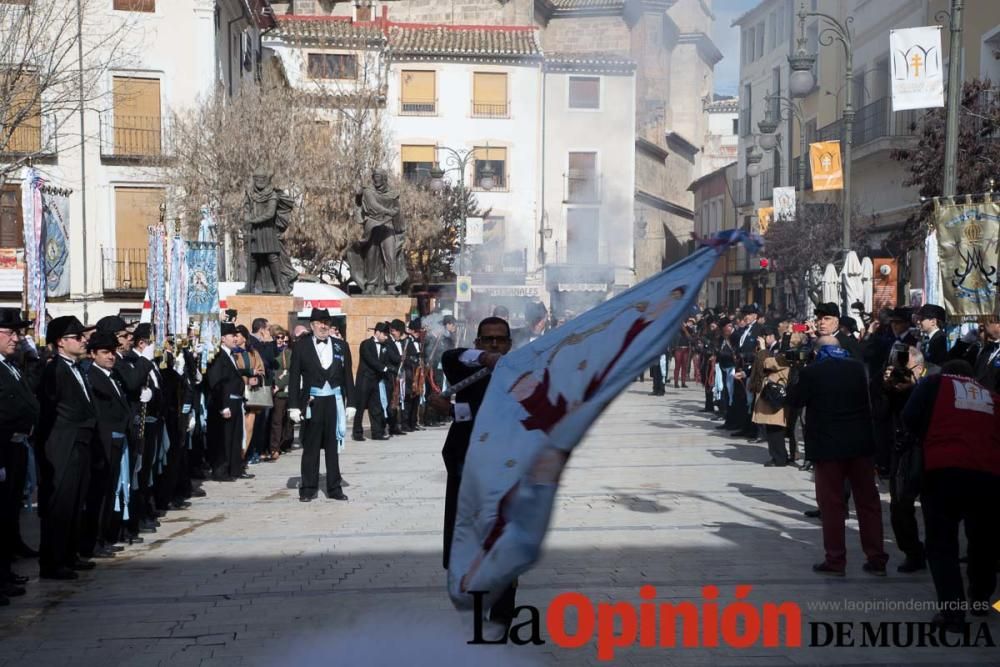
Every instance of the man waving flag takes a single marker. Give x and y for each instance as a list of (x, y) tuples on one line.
[(541, 400)]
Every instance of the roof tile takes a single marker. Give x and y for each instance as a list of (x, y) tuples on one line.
[(502, 41)]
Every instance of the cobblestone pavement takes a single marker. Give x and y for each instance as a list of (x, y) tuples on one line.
[(250, 576)]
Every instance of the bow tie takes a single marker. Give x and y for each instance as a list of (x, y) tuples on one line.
[(323, 341)]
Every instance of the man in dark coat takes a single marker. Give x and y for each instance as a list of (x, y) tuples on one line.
[(492, 342), (67, 436), (839, 440), (415, 367), (982, 351), (745, 342), (935, 340), (225, 410), (18, 419), (397, 384), (149, 433), (109, 488), (373, 392), (319, 387), (536, 324)]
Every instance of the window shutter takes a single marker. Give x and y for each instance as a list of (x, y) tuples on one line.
[(11, 222), (418, 87), (489, 88), (418, 153), (137, 116), (135, 210)]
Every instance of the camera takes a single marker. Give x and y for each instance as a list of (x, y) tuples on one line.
[(799, 356)]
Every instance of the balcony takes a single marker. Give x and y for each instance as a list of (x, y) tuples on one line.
[(35, 137), (134, 138), (832, 132), (876, 120), (480, 110), (123, 270), (417, 107), (794, 174)]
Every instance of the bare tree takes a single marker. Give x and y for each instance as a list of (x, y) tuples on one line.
[(53, 58)]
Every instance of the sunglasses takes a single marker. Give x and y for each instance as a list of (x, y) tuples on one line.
[(11, 332), (74, 336)]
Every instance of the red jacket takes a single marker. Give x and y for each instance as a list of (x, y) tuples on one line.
[(964, 430)]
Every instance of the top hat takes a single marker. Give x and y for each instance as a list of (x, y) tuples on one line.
[(320, 315), (227, 329), (67, 325), (102, 340), (828, 309), (397, 325), (929, 311), (143, 331), (111, 324), (10, 318), (901, 313)]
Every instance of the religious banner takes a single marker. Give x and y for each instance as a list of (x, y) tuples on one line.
[(824, 158), (917, 73), (202, 280), (784, 203), (55, 245), (968, 236), (541, 400), (765, 214), (157, 283), (178, 285), (34, 256)]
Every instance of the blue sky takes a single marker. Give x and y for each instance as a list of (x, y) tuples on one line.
[(727, 39)]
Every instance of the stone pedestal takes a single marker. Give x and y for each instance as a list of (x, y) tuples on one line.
[(364, 312), (275, 308)]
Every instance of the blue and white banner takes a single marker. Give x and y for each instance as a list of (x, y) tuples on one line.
[(178, 286), (541, 401), (55, 223), (202, 280)]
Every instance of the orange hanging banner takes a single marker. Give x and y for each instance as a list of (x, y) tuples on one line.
[(765, 215), (827, 172)]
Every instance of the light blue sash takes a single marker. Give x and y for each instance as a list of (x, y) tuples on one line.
[(663, 366), (717, 384), (326, 390), (382, 398), (123, 490)]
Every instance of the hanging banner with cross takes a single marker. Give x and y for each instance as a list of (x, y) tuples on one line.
[(917, 70)]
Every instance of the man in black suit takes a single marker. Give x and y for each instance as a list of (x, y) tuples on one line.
[(109, 487), (414, 363), (493, 340), (840, 442), (319, 388), (983, 354), (745, 343), (397, 385), (536, 323), (67, 436), (372, 384), (225, 410), (151, 394), (18, 419), (935, 341)]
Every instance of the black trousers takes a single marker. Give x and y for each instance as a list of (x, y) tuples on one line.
[(775, 435), (412, 412), (371, 402), (111, 519), (903, 515), (60, 526), (11, 495), (950, 497), (319, 432), (657, 374), (95, 505), (169, 480), (226, 438), (738, 416)]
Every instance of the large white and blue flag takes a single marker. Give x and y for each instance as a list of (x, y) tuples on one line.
[(541, 400)]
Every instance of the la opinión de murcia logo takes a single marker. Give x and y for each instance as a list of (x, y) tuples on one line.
[(707, 623)]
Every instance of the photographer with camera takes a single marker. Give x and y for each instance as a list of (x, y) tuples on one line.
[(906, 367)]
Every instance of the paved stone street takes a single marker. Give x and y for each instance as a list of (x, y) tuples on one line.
[(250, 576)]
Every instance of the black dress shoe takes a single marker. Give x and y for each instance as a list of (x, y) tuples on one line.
[(397, 432), (306, 499), (102, 553), (338, 495), (247, 475), (380, 437), (83, 565), (774, 464), (24, 551), (180, 504), (135, 539), (812, 514), (198, 493), (60, 573), (358, 438), (114, 548), (754, 440), (877, 569), (826, 568)]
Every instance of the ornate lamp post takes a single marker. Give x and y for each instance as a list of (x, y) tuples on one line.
[(769, 139), (802, 81), (458, 160)]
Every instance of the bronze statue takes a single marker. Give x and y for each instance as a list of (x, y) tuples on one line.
[(377, 260), (266, 213)]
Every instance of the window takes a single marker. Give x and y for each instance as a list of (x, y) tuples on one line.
[(496, 158), (418, 93), (736, 127), (772, 30), (332, 66), (759, 35), (489, 95), (748, 45), (584, 92), (776, 90), (23, 114), (582, 235), (746, 114), (11, 222), (137, 129), (135, 5), (417, 162), (135, 210), (581, 179)]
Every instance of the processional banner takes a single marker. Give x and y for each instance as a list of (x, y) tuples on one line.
[(967, 236)]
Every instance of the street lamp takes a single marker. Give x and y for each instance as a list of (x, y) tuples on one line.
[(769, 138), (802, 81)]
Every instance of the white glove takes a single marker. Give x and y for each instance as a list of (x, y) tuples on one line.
[(179, 364), (147, 352), (190, 423), (295, 415), (227, 413), (350, 413), (146, 395), (970, 337), (3, 474)]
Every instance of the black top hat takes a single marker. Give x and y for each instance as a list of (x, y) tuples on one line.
[(382, 327), (10, 318), (929, 311), (723, 322), (227, 329), (339, 322), (320, 315), (415, 324), (398, 325), (849, 323), (111, 324), (901, 313), (828, 309), (102, 340), (143, 331), (67, 325)]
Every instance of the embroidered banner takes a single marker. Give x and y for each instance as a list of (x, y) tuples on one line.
[(917, 72), (55, 220), (178, 285), (765, 214), (542, 399), (34, 257), (157, 283), (824, 158), (967, 237), (202, 280), (784, 203)]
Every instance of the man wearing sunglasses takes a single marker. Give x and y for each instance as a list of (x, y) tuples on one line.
[(18, 418), (493, 340), (67, 434)]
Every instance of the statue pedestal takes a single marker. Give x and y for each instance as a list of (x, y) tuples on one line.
[(275, 308), (364, 312)]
